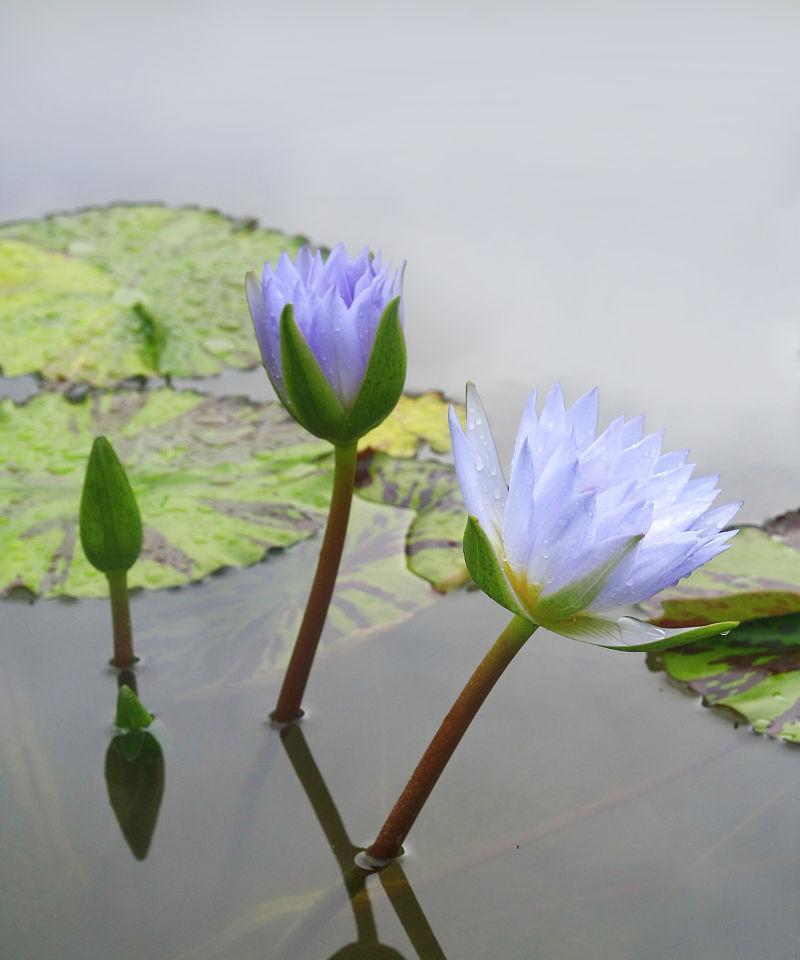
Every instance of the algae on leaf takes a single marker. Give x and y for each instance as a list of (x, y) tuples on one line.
[(107, 293)]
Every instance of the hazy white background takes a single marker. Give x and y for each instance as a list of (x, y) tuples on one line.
[(601, 193)]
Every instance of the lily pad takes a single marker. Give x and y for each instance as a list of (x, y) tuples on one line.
[(108, 293), (434, 542), (754, 672), (759, 576), (219, 481), (416, 420)]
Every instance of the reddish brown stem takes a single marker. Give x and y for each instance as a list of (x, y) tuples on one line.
[(389, 841), (121, 620), (294, 683)]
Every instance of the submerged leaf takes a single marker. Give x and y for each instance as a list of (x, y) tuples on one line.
[(755, 672), (429, 487), (108, 293), (757, 577)]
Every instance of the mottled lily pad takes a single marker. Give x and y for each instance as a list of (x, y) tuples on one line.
[(434, 544), (759, 576), (416, 420), (754, 672), (219, 482), (109, 293)]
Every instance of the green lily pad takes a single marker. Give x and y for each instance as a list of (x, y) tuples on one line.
[(759, 576), (219, 482), (113, 292), (416, 420), (428, 487), (754, 672)]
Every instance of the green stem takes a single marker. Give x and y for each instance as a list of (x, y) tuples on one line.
[(294, 683), (121, 620), (389, 841)]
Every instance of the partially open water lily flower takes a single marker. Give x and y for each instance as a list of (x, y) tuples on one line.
[(330, 333), (586, 524), (331, 337)]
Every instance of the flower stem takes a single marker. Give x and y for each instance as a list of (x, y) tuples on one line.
[(294, 683), (121, 620), (389, 841)]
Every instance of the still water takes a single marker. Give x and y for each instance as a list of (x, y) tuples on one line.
[(598, 193), (593, 811)]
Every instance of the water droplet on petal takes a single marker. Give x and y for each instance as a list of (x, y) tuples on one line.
[(478, 462), (496, 494)]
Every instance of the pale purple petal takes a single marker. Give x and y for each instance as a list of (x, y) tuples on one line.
[(337, 305)]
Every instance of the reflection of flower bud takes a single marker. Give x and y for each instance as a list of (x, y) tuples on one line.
[(110, 525), (586, 524), (134, 770), (331, 337)]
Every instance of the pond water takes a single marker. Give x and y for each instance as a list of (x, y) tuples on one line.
[(593, 811), (596, 193)]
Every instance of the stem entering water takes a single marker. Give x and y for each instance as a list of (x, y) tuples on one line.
[(389, 841), (121, 620), (294, 683)]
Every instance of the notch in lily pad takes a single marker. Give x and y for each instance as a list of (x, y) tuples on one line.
[(111, 536)]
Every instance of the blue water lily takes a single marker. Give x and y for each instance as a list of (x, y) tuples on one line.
[(586, 524), (330, 335)]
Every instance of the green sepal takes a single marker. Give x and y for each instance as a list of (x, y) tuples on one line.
[(576, 597), (384, 378), (485, 569), (131, 714), (311, 398), (110, 524)]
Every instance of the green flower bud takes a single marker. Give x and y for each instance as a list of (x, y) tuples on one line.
[(110, 525)]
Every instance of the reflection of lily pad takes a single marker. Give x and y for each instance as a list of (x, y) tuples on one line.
[(219, 481), (759, 576), (113, 292), (416, 420), (434, 545), (754, 672)]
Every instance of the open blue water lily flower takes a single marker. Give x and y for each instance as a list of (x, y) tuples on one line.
[(331, 338), (586, 524)]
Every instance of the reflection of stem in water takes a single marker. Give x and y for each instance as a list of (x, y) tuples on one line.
[(121, 620), (409, 913), (330, 554), (332, 826), (397, 887)]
